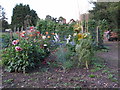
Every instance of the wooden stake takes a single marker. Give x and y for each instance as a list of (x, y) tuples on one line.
[(10, 36), (97, 36), (18, 34), (87, 65)]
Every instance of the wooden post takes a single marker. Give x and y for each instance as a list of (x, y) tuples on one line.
[(97, 35), (14, 30), (87, 26), (22, 28), (82, 28), (11, 36), (18, 33)]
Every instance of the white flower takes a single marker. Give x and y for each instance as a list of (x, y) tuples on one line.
[(43, 37), (68, 39), (69, 35), (45, 45), (56, 35), (74, 34)]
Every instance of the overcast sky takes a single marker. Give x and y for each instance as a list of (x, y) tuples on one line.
[(66, 8)]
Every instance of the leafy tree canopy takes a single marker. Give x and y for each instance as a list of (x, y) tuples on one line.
[(107, 11), (3, 19), (23, 16)]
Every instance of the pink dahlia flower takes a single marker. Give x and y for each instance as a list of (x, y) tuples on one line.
[(14, 42), (17, 48)]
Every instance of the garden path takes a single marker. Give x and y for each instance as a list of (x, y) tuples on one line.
[(111, 57)]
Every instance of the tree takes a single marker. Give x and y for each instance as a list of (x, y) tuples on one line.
[(107, 11), (3, 19), (22, 14), (2, 13), (34, 17)]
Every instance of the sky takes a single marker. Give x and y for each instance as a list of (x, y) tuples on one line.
[(69, 9)]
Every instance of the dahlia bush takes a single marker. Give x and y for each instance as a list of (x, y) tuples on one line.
[(25, 53)]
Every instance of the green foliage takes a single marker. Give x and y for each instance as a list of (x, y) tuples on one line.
[(46, 25), (3, 18), (8, 81), (34, 17), (107, 11), (110, 76), (63, 58), (92, 27), (105, 71), (0, 63), (5, 25), (62, 54), (103, 25), (5, 40), (2, 14), (85, 51), (23, 16), (23, 60), (68, 64), (106, 16), (54, 27), (92, 76)]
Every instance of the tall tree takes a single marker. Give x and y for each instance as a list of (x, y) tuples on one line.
[(21, 14), (107, 11), (34, 17), (3, 19)]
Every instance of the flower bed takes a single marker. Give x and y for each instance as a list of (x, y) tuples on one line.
[(74, 48), (24, 53)]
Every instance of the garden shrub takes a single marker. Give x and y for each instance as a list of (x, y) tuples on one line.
[(5, 40), (63, 59), (23, 55), (85, 51)]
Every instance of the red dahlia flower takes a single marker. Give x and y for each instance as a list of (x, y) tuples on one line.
[(17, 48)]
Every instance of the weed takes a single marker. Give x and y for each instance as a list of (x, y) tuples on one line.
[(114, 80), (99, 65), (44, 69), (32, 79), (75, 78), (78, 88), (105, 71), (49, 78), (92, 76), (82, 80), (8, 81), (54, 65), (66, 84), (67, 64), (0, 62), (36, 73), (110, 76), (93, 70), (104, 50)]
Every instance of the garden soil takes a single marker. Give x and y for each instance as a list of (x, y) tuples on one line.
[(106, 77)]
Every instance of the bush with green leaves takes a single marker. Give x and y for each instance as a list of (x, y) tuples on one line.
[(85, 51), (5, 40), (23, 55), (55, 27), (63, 58)]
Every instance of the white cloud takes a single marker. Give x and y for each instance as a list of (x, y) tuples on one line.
[(67, 8)]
